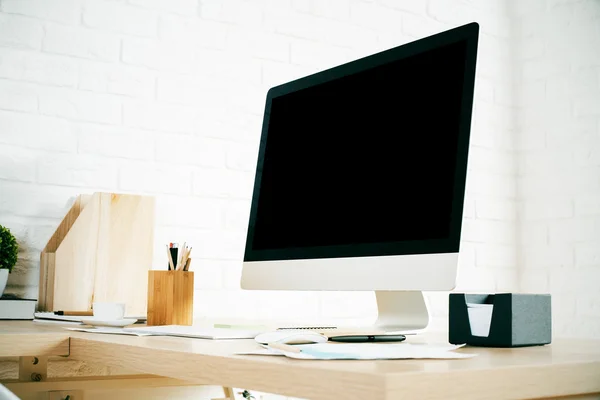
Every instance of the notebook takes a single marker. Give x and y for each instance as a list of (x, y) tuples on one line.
[(13, 307)]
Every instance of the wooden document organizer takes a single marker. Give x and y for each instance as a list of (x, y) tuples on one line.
[(101, 251)]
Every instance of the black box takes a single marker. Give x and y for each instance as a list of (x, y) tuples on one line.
[(517, 319)]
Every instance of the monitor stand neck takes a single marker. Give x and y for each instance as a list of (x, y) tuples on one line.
[(401, 311)]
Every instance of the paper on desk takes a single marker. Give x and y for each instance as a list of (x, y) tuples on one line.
[(366, 351), (174, 330), (50, 321), (197, 332), (113, 331)]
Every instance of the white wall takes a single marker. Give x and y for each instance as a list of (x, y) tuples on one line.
[(558, 142), (166, 98)]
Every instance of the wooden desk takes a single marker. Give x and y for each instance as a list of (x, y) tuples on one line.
[(28, 339), (565, 368)]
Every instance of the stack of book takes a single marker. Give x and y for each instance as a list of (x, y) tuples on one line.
[(15, 308)]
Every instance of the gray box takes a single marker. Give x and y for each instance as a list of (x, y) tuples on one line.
[(517, 319)]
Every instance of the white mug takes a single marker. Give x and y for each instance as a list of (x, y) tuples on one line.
[(108, 311)]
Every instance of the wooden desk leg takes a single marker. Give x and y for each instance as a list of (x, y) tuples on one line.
[(228, 392), (33, 369)]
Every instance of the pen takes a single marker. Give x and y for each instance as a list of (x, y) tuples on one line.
[(367, 338), (75, 313), (175, 251)]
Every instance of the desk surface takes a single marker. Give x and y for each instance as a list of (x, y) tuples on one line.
[(566, 367), (28, 339)]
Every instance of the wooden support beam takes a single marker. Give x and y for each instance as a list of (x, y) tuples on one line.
[(21, 389)]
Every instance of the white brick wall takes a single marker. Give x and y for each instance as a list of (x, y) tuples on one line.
[(78, 41), (18, 96), (37, 67), (20, 32), (558, 81), (120, 18), (62, 11), (166, 98)]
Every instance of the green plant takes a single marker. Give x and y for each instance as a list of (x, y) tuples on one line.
[(247, 395), (8, 249)]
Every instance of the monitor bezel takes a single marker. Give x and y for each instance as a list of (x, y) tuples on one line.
[(468, 33)]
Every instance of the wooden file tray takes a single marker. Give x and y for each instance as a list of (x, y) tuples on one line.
[(101, 251)]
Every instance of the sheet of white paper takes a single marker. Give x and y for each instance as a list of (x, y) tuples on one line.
[(480, 318), (194, 332), (173, 330), (49, 321), (113, 331), (367, 351)]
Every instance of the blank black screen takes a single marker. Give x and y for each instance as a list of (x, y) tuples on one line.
[(365, 159)]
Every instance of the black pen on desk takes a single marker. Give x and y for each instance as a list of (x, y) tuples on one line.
[(367, 338)]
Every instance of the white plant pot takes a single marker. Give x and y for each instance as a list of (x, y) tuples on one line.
[(3, 279)]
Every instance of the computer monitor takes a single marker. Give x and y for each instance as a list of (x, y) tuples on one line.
[(360, 178)]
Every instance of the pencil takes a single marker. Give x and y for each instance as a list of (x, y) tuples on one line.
[(186, 258), (179, 257)]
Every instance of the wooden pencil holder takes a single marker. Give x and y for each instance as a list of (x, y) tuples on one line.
[(170, 298)]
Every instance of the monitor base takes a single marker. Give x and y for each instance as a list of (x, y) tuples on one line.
[(398, 311), (401, 311)]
